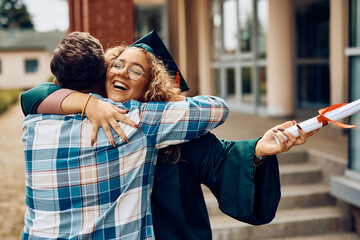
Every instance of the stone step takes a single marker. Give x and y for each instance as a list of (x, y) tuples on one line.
[(292, 196), (336, 236), (304, 173), (293, 157), (309, 195), (287, 223)]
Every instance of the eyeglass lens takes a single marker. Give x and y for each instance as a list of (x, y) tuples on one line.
[(135, 72)]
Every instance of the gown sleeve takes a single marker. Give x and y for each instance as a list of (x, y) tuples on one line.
[(227, 168), (248, 194)]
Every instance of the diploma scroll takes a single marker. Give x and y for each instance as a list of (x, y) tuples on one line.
[(320, 120)]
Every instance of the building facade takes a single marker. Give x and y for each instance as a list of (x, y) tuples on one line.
[(275, 58), (25, 57), (347, 187)]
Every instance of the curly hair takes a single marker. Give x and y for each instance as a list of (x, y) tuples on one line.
[(161, 89)]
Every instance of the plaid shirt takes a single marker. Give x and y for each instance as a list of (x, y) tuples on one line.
[(76, 191)]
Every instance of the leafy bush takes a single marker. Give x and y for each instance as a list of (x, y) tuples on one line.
[(8, 97), (50, 78)]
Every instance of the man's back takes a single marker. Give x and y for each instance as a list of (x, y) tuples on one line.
[(75, 190)]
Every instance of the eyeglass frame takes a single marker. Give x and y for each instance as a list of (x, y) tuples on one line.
[(112, 62)]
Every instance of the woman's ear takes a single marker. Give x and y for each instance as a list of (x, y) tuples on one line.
[(55, 82)]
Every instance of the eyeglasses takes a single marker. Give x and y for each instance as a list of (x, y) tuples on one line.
[(135, 72)]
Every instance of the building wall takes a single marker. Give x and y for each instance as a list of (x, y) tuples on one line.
[(111, 21), (13, 69), (189, 40)]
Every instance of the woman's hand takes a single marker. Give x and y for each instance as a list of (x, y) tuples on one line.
[(105, 115), (267, 145)]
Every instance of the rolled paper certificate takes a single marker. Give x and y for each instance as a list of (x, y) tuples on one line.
[(330, 114)]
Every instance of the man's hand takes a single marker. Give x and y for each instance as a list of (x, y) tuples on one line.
[(105, 115)]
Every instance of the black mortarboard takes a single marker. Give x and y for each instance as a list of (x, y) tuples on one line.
[(153, 43)]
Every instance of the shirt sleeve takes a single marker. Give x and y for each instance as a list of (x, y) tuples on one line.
[(170, 123), (227, 168), (31, 99)]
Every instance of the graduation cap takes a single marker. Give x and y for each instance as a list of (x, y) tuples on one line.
[(153, 43)]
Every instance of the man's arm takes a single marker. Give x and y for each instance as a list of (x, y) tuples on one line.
[(227, 168), (171, 123)]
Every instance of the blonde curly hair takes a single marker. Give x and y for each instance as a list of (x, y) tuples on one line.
[(161, 84), (161, 89)]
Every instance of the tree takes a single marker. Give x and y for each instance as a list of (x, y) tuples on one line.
[(14, 14)]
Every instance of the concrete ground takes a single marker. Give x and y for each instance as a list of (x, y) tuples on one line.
[(12, 172)]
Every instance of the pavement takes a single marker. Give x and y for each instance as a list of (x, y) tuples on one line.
[(12, 174), (331, 140)]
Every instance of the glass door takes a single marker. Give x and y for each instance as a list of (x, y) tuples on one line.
[(354, 69), (239, 34), (312, 54)]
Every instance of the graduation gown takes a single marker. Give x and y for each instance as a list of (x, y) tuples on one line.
[(226, 167)]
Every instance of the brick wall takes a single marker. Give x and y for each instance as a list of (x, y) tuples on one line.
[(111, 21)]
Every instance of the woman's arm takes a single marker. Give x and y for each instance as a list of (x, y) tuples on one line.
[(31, 99), (227, 168), (100, 113), (52, 103), (51, 99)]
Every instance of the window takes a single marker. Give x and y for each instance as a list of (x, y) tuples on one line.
[(31, 66), (239, 32), (0, 67), (149, 17)]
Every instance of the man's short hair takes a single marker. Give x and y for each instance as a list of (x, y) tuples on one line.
[(78, 63)]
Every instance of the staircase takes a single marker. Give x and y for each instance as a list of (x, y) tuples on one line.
[(306, 210)]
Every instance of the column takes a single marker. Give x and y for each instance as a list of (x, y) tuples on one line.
[(280, 60), (204, 56), (338, 42)]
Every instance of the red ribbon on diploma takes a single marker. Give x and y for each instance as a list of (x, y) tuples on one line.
[(324, 120)]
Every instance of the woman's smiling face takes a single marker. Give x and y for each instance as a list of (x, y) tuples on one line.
[(128, 77)]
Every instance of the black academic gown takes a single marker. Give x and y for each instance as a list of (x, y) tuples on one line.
[(226, 167)]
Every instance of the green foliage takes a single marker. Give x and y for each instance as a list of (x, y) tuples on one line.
[(50, 78), (14, 15), (8, 97)]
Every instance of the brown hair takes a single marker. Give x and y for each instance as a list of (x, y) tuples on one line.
[(161, 89), (78, 63)]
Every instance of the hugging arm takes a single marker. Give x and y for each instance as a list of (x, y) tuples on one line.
[(49, 98), (171, 123)]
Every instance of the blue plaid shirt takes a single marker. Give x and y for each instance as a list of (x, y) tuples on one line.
[(76, 191)]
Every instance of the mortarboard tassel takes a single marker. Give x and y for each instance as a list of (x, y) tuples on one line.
[(177, 79)]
